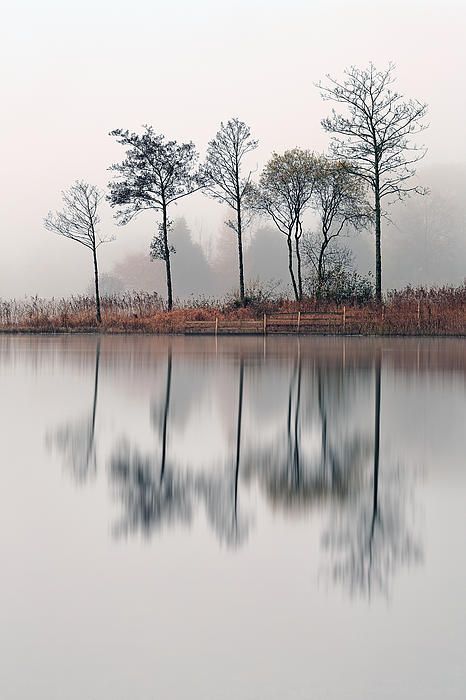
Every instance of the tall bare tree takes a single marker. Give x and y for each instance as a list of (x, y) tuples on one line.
[(340, 203), (225, 180), (374, 134), (284, 193), (155, 174), (79, 220)]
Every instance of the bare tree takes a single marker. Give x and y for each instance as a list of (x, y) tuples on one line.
[(225, 181), (155, 174), (79, 221), (339, 200), (284, 193), (375, 136)]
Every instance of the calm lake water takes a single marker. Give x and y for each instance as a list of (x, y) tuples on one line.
[(232, 519)]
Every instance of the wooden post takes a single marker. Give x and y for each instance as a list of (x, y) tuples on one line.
[(299, 320), (344, 319), (419, 314), (265, 324), (216, 325)]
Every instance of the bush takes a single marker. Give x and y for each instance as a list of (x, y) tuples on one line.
[(342, 285)]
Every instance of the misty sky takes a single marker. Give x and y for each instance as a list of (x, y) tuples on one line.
[(73, 71)]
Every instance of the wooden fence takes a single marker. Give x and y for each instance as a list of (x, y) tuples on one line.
[(281, 322), (413, 319)]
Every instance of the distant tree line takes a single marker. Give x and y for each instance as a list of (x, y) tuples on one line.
[(371, 161)]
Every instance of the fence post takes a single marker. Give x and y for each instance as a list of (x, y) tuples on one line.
[(299, 321), (344, 319), (419, 314), (216, 325), (265, 324)]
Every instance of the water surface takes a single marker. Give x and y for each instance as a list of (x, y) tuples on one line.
[(232, 518)]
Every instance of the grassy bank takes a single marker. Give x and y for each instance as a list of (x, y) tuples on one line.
[(412, 311)]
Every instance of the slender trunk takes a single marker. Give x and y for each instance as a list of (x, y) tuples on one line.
[(376, 444), (298, 266), (378, 243), (96, 282), (165, 415), (94, 402), (166, 250), (320, 268), (238, 435), (297, 461), (96, 386), (290, 266), (239, 231)]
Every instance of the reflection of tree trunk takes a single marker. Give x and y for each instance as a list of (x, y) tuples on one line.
[(293, 435), (238, 433), (376, 447), (296, 427), (375, 496), (94, 402), (323, 417), (165, 414)]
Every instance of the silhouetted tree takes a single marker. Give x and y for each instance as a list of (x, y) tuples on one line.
[(79, 220), (375, 136), (339, 200), (154, 174), (284, 193), (225, 180)]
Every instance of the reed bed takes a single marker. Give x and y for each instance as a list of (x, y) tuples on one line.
[(411, 311)]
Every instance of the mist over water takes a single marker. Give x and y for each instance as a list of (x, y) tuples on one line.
[(249, 510)]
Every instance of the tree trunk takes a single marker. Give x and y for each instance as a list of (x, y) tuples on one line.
[(298, 269), (378, 246), (290, 266), (166, 250), (239, 231), (320, 268), (96, 282)]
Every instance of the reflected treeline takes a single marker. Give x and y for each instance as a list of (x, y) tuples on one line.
[(306, 434)]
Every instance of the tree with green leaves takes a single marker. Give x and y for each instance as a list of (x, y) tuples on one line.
[(225, 180), (339, 199), (375, 135), (284, 193), (79, 221), (154, 174)]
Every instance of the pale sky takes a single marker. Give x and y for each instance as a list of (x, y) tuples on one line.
[(71, 72)]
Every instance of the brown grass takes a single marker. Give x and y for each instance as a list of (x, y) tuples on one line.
[(411, 311)]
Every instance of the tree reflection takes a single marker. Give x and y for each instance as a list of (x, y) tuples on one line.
[(321, 452), (370, 536), (219, 492), (76, 440), (294, 478), (149, 503)]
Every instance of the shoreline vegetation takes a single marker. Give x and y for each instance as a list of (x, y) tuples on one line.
[(432, 311), (371, 163)]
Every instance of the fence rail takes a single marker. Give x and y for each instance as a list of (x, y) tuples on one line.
[(345, 320)]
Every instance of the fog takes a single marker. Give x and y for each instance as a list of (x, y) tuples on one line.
[(73, 72)]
